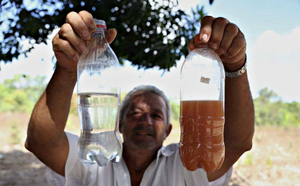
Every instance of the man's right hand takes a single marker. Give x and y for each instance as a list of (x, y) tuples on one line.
[(71, 40), (46, 126)]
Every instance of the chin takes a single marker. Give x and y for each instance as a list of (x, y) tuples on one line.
[(145, 145)]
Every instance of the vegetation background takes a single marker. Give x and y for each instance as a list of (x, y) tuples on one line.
[(274, 159)]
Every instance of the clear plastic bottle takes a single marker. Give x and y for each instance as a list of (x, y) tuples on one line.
[(99, 101), (202, 110)]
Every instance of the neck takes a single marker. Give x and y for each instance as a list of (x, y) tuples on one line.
[(137, 162)]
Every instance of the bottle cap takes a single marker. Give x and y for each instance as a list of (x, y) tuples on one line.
[(198, 42), (197, 38), (100, 23)]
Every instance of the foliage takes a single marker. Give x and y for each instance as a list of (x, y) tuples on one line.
[(20, 93), (73, 107), (270, 110), (175, 109), (15, 137), (149, 33)]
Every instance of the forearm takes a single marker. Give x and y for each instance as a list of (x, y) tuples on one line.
[(239, 115), (239, 122), (50, 114)]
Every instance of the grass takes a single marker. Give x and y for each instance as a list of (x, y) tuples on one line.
[(273, 160), (269, 162), (249, 159)]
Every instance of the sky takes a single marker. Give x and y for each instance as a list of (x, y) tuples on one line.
[(272, 31)]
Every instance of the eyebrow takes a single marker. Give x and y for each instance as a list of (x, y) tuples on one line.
[(156, 108)]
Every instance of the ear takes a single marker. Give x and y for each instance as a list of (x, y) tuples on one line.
[(168, 130)]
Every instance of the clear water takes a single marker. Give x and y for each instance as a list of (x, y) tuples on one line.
[(100, 148), (99, 141)]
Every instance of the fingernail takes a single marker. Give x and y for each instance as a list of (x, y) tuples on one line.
[(204, 37), (92, 27), (85, 33)]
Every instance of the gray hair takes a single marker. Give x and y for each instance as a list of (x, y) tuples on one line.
[(145, 89)]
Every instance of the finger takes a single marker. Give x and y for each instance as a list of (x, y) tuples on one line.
[(88, 19), (206, 28), (111, 35), (235, 62), (218, 28), (191, 45), (90, 22), (231, 31), (67, 33), (238, 44), (62, 46), (79, 25)]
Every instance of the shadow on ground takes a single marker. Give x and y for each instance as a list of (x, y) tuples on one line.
[(21, 168)]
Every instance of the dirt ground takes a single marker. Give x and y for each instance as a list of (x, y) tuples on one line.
[(273, 161)]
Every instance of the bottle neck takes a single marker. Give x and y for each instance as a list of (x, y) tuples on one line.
[(99, 38), (100, 31)]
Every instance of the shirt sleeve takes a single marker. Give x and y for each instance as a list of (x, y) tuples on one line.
[(55, 179), (223, 180)]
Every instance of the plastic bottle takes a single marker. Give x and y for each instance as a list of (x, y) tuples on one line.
[(98, 101), (202, 110)]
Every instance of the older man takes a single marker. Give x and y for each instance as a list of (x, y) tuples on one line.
[(144, 119)]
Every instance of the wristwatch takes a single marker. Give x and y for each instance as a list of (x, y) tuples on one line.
[(237, 73)]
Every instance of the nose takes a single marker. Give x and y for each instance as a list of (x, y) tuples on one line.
[(146, 119)]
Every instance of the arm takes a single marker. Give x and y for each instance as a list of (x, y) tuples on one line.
[(229, 43), (45, 137), (239, 122)]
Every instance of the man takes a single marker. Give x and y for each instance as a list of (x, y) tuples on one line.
[(144, 119)]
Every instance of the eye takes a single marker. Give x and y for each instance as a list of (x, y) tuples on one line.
[(157, 116), (134, 113)]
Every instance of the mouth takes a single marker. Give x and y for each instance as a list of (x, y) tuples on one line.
[(146, 133)]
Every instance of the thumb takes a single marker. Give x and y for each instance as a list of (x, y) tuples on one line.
[(111, 35)]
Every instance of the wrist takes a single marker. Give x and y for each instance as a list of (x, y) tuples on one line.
[(61, 69), (65, 76), (232, 67), (237, 69)]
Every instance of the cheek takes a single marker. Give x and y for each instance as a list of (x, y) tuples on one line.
[(162, 131), (127, 126)]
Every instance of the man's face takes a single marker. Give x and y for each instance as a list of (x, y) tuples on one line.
[(144, 126)]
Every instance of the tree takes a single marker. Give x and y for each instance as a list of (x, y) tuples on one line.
[(271, 110), (149, 33), (267, 111), (21, 93), (175, 109)]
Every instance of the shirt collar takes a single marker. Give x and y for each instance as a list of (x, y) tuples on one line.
[(165, 151)]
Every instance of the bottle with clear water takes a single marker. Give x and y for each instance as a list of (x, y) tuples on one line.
[(99, 101)]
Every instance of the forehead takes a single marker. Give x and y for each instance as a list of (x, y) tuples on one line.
[(151, 100)]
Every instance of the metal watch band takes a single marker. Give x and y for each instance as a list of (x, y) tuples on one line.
[(239, 72)]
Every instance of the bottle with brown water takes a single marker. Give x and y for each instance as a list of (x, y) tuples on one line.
[(202, 110)]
